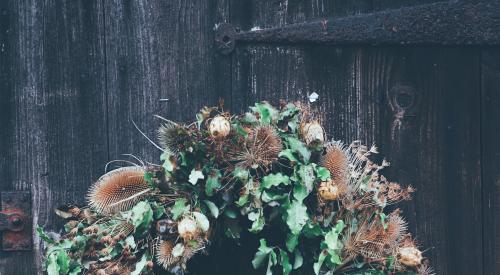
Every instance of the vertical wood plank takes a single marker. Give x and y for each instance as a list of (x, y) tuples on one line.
[(57, 142), (490, 135), (156, 50)]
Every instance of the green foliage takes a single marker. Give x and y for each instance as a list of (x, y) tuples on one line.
[(296, 216), (180, 208), (202, 191)]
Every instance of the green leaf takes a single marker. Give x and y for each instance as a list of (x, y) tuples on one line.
[(306, 174), (140, 265), (195, 175), (141, 216), (312, 230), (268, 196), (214, 210), (76, 270), (213, 183), (298, 259), (285, 262), (274, 180), (292, 241), (261, 254), (288, 153), (179, 208), (317, 265), (44, 236), (158, 210), (258, 221), (52, 266), (241, 173), (201, 221), (296, 216), (322, 173), (299, 147), (267, 113), (273, 260), (332, 237), (383, 218), (168, 161)]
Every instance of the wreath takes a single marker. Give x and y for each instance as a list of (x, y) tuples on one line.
[(270, 167)]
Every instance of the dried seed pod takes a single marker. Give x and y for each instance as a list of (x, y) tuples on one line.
[(171, 137), (312, 132), (261, 149), (188, 228), (336, 160), (118, 190), (410, 256), (329, 190), (219, 127)]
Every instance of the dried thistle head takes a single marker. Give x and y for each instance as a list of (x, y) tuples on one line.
[(164, 256), (375, 240), (261, 149), (188, 228), (408, 254), (336, 160), (118, 190), (171, 136)]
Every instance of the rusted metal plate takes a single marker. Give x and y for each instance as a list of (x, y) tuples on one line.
[(15, 221), (443, 23)]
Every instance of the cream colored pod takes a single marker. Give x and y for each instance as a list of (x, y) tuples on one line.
[(410, 256), (219, 127), (187, 228), (312, 132)]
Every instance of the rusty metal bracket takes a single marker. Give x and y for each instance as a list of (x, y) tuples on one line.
[(442, 23), (15, 221)]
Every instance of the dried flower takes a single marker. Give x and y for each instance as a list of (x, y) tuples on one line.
[(164, 256), (410, 256), (261, 149), (312, 132), (329, 190), (118, 190), (219, 127), (172, 136), (188, 228)]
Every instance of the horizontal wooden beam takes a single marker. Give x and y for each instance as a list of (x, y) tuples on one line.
[(441, 23)]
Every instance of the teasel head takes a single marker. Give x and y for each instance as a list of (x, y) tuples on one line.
[(219, 127), (118, 190), (261, 149), (164, 255), (172, 136), (410, 256), (312, 132), (336, 160), (192, 247)]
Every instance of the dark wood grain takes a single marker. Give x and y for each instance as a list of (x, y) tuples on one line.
[(74, 74), (490, 135), (57, 144)]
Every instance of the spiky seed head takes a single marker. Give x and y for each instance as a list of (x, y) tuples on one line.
[(192, 247), (171, 137), (262, 147), (329, 190), (336, 161), (410, 256), (188, 228), (164, 255), (219, 127), (118, 190), (312, 132)]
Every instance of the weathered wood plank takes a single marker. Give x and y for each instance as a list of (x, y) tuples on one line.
[(57, 142), (490, 135), (156, 50)]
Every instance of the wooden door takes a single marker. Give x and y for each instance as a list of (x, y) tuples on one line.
[(74, 74)]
